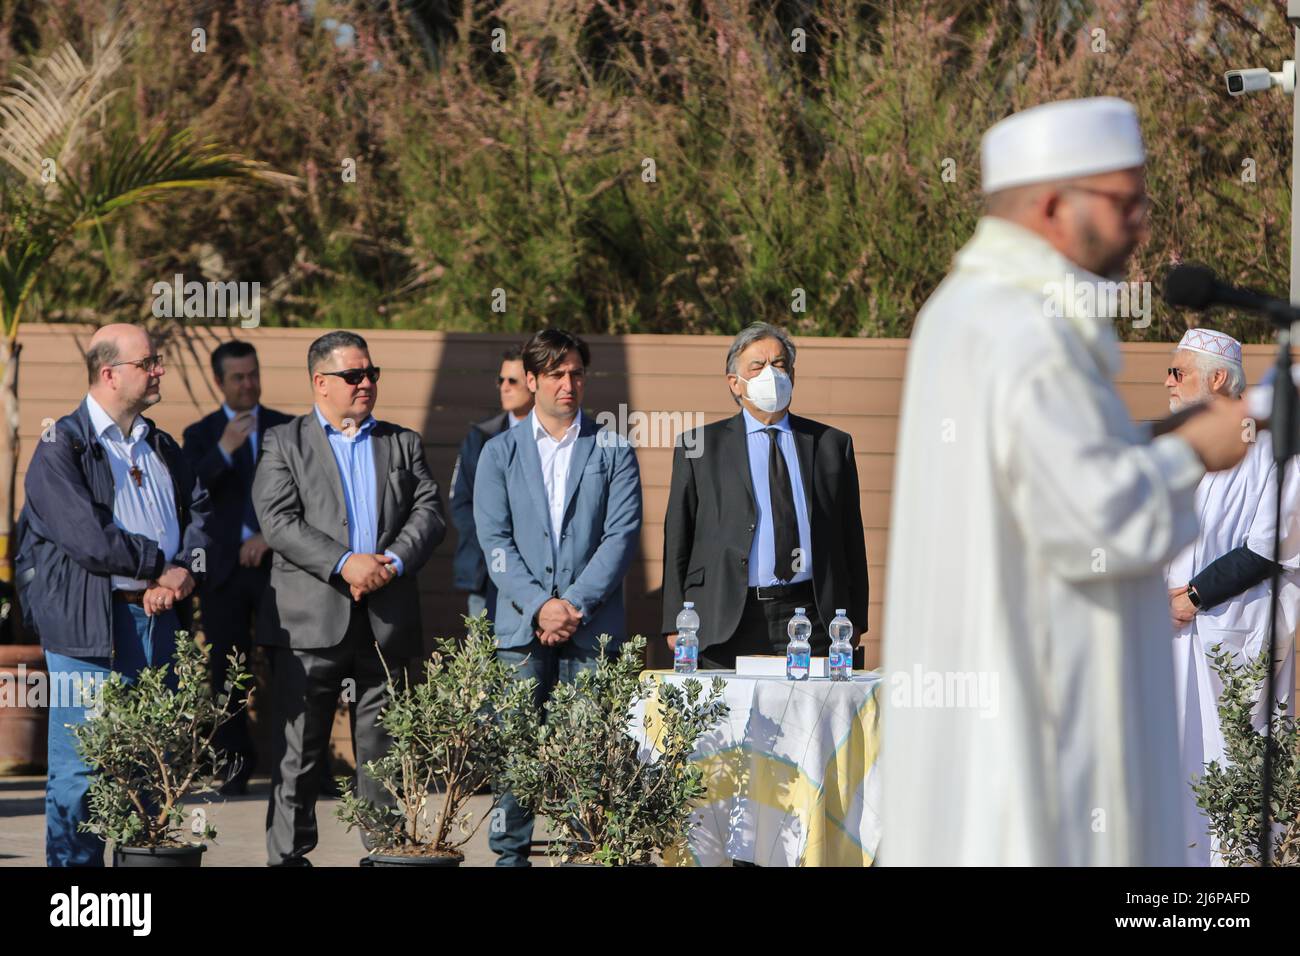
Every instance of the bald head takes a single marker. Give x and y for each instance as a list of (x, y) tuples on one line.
[(1094, 221), (123, 369)]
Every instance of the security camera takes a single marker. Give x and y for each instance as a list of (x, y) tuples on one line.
[(1259, 79)]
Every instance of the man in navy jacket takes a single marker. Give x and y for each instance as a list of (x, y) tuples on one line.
[(223, 448), (113, 523)]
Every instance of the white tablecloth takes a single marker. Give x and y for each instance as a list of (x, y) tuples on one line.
[(791, 774)]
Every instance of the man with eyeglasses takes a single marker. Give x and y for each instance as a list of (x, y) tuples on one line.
[(469, 566), (351, 512), (1219, 585), (1031, 521), (114, 521)]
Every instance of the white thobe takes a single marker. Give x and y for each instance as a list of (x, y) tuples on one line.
[(1031, 521), (1234, 508)]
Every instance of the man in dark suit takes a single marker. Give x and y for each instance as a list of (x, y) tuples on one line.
[(763, 516), (468, 566), (351, 512), (223, 449)]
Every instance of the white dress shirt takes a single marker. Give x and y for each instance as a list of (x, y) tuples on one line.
[(556, 457), (148, 509)]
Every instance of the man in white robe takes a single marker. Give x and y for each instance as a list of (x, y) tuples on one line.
[(1219, 586), (1031, 521)]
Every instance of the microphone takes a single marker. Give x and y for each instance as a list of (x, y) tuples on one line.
[(1194, 286)]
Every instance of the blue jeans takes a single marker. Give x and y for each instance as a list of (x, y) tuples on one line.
[(510, 830), (138, 642)]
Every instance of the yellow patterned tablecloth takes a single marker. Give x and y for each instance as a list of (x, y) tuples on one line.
[(792, 773)]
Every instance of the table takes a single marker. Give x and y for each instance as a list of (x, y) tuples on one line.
[(792, 773)]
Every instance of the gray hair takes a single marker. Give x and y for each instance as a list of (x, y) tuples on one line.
[(756, 333), (1207, 365), (320, 350), (99, 356)]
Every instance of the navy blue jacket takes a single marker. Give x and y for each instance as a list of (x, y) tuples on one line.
[(69, 547), (221, 479), (469, 569)]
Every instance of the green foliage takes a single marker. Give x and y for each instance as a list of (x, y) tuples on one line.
[(586, 775), (843, 160), (453, 732), (150, 746), (1231, 793)]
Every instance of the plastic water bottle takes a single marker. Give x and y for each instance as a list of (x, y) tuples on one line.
[(841, 662), (686, 653), (799, 650)]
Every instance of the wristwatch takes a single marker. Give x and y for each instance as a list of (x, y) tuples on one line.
[(1193, 596)]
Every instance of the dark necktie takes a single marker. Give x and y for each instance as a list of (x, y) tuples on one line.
[(244, 466), (785, 526)]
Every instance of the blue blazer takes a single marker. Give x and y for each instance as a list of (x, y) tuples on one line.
[(602, 525)]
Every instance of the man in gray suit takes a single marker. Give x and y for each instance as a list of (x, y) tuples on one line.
[(351, 511), (557, 505)]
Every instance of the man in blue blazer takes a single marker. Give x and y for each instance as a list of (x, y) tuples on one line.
[(557, 505)]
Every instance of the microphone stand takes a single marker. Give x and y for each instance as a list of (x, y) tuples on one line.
[(1283, 428)]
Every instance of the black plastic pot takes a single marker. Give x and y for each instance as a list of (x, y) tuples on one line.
[(189, 855), (382, 859)]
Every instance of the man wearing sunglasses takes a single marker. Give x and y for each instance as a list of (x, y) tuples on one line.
[(113, 522), (351, 512), (469, 566), (1219, 586)]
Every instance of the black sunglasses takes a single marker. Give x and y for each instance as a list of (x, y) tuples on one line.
[(1177, 373), (353, 376), (502, 379)]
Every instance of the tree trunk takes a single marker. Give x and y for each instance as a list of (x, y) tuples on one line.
[(9, 355)]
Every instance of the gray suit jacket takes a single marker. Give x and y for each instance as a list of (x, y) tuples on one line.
[(298, 496)]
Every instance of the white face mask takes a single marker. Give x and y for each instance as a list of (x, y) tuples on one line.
[(769, 390)]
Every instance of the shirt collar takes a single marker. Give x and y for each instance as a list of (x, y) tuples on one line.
[(752, 424), (331, 430), (538, 431), (231, 413), (101, 421)]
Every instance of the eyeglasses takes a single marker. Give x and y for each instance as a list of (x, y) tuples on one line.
[(1177, 373), (147, 364), (353, 376), (502, 379), (1130, 205)]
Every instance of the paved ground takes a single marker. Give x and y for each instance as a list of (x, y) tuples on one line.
[(240, 823)]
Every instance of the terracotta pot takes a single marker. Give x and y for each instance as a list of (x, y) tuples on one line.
[(190, 855), (23, 729)]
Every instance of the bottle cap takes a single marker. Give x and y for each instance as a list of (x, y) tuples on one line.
[(839, 612), (798, 610), (686, 604)]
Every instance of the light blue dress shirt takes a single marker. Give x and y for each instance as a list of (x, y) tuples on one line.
[(355, 458), (762, 567), (245, 532)]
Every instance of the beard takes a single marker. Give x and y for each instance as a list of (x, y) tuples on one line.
[(1103, 258), (1178, 404)]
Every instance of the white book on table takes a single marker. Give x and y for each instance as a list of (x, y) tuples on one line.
[(768, 665)]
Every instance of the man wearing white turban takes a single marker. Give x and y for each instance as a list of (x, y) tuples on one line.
[(1031, 521), (1219, 585)]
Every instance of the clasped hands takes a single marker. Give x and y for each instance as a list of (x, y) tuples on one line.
[(174, 584), (557, 621), (1181, 609), (367, 572)]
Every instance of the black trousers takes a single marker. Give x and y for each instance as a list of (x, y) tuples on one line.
[(230, 615), (306, 686), (762, 630)]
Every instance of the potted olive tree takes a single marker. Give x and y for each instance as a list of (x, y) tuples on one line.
[(1231, 793), (451, 733), (586, 776), (149, 743)]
